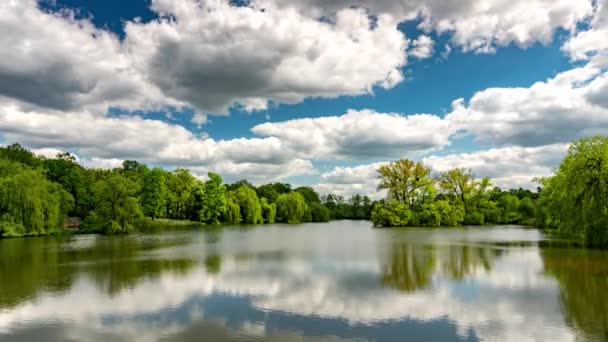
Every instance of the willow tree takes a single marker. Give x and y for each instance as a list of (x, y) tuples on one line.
[(247, 199), (29, 203), (405, 180), (576, 197), (291, 207)]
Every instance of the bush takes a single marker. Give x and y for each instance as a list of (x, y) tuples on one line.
[(391, 214), (319, 213), (11, 229), (474, 218)]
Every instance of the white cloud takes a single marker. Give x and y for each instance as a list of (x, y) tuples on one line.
[(348, 181), (214, 55), (478, 26), (422, 47), (508, 167), (360, 134), (570, 105), (105, 141), (59, 62), (588, 43)]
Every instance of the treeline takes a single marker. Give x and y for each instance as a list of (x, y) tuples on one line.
[(416, 197), (573, 201), (37, 194)]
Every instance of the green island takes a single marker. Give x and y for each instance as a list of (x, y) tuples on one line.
[(41, 196)]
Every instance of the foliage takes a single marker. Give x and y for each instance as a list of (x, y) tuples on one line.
[(318, 212), (392, 214), (214, 200), (182, 188), (117, 209), (232, 213), (576, 197), (291, 207), (250, 208), (29, 203), (153, 194), (404, 180), (269, 210)]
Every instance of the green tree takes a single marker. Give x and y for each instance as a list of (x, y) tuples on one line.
[(19, 154), (153, 193), (404, 180), (117, 209), (29, 203), (392, 214), (318, 212), (247, 199), (65, 170), (232, 213), (291, 207), (269, 210), (459, 184), (577, 195), (181, 190), (213, 200)]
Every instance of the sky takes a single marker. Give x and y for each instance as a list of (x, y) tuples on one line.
[(309, 92)]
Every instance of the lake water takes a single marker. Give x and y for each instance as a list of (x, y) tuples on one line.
[(337, 281)]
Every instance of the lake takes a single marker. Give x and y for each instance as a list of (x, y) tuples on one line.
[(337, 281)]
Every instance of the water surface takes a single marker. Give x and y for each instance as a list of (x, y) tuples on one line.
[(335, 282)]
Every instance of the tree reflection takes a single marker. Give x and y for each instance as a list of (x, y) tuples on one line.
[(411, 267), (30, 266), (583, 280)]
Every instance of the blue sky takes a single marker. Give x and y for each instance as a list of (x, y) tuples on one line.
[(308, 92)]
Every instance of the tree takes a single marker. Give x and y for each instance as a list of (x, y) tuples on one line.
[(269, 210), (309, 194), (153, 193), (214, 199), (64, 170), (404, 179), (576, 197), (459, 183), (272, 191), (181, 190), (116, 206), (232, 213), (251, 211), (291, 207), (19, 154), (29, 203), (391, 214), (318, 212)]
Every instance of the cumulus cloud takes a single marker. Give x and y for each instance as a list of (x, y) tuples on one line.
[(57, 61), (422, 47), (214, 55), (479, 26), (589, 43), (570, 105), (360, 134), (105, 141), (508, 167)]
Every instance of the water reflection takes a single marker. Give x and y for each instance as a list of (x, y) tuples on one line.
[(311, 282), (583, 281)]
